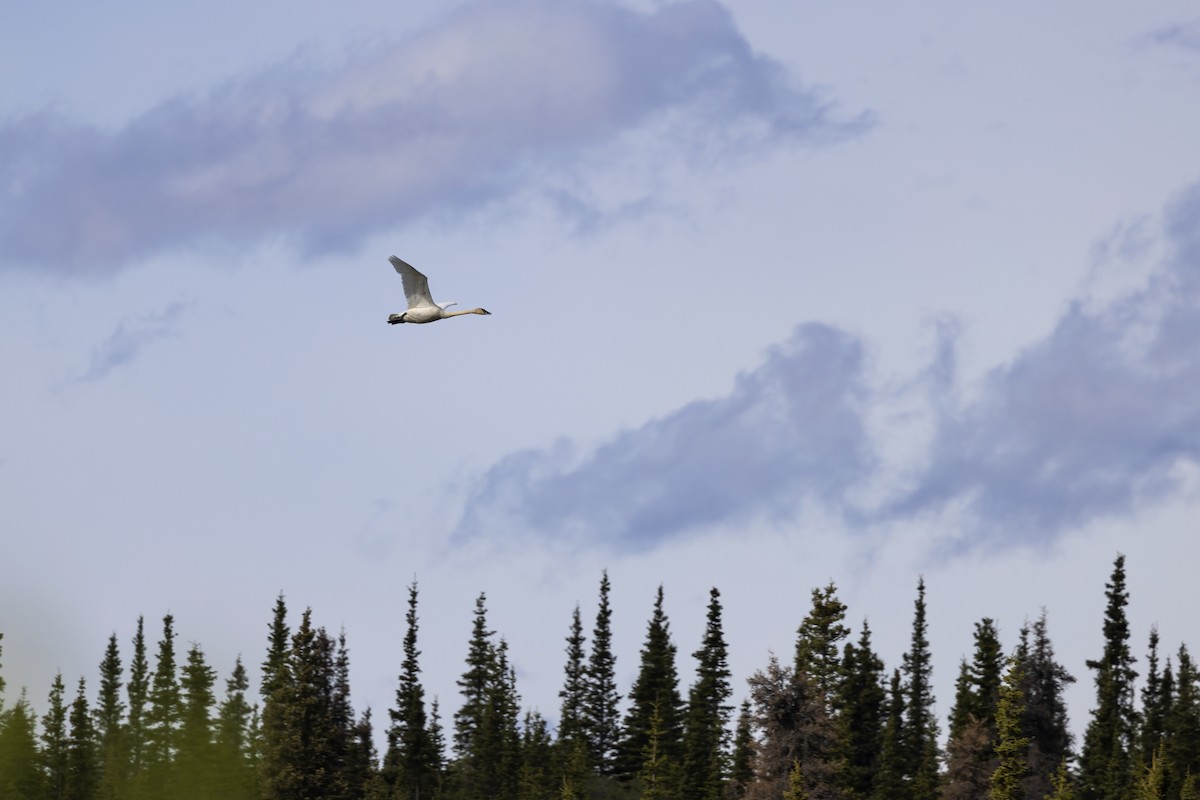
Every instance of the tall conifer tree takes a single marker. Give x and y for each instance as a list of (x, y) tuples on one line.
[(138, 692), (197, 759), (20, 768), (572, 695), (1105, 764), (163, 716), (54, 741), (920, 747), (705, 736), (1181, 746), (109, 720), (234, 740), (861, 718), (1044, 719), (655, 693), (601, 721), (819, 645), (83, 776), (1011, 743), (411, 764)]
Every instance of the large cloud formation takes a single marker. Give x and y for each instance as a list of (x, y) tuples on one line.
[(1090, 422), (790, 432), (460, 113)]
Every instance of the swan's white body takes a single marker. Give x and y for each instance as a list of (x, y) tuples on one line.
[(421, 307)]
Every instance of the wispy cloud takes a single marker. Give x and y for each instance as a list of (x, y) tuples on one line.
[(130, 338), (1185, 35), (790, 432), (1090, 422), (460, 114)]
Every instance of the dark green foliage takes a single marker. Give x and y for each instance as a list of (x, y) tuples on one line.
[(889, 780), (745, 753), (818, 645), (654, 700), (537, 777), (861, 717), (20, 770), (1181, 738), (83, 770), (601, 721), (487, 741), (705, 734), (234, 753), (573, 693), (970, 750), (196, 763), (1106, 771), (411, 765), (108, 714), (1156, 701), (919, 740), (54, 741), (278, 642), (1044, 719), (305, 738), (138, 691), (163, 716)]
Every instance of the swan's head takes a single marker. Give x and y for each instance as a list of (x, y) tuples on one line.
[(482, 311)]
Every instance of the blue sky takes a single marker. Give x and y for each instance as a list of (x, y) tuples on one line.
[(781, 294)]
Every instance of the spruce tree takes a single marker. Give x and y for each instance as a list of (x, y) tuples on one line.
[(109, 720), (234, 740), (304, 747), (1154, 705), (410, 764), (197, 757), (475, 682), (572, 695), (861, 717), (655, 693), (970, 750), (1181, 747), (1011, 743), (745, 752), (278, 643), (536, 780), (819, 645), (138, 693), (1105, 764), (163, 716), (890, 779), (83, 774), (705, 733), (920, 747), (658, 774), (54, 741), (1044, 719), (601, 720), (20, 767), (794, 728)]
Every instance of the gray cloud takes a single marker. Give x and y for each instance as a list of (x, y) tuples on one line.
[(130, 337), (1185, 35), (449, 118), (1088, 423), (790, 432)]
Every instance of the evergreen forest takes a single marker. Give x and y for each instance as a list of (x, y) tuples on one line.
[(831, 721)]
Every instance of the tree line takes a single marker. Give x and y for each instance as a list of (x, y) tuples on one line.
[(831, 722)]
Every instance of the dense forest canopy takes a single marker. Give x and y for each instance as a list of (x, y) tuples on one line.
[(831, 722)]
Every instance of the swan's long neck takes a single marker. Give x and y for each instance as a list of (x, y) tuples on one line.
[(446, 314)]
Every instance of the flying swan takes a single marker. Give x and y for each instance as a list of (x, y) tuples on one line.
[(421, 307)]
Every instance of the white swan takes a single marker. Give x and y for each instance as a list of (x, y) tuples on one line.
[(421, 307)]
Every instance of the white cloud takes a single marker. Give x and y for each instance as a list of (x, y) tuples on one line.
[(450, 118)]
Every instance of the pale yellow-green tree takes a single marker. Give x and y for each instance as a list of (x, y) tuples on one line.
[(1011, 747)]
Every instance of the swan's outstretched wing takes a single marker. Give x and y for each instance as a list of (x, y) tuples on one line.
[(416, 285)]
